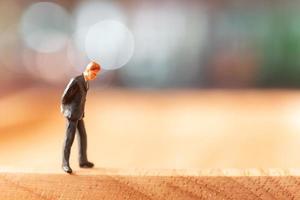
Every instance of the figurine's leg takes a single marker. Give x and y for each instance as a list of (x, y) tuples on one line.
[(70, 134), (82, 142)]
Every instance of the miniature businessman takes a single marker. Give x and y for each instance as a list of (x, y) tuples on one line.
[(72, 107)]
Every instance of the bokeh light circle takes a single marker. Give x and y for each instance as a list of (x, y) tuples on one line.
[(45, 26), (109, 43)]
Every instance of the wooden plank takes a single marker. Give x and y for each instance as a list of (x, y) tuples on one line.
[(141, 184)]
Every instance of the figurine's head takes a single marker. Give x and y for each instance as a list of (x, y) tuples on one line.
[(91, 70)]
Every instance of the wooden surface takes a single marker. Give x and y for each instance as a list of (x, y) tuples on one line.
[(213, 144), (113, 184)]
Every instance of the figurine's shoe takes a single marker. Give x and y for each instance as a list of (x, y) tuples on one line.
[(67, 169), (86, 164)]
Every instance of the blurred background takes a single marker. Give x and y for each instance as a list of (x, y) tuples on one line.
[(172, 100), (190, 44)]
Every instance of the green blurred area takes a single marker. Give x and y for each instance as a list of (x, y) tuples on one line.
[(275, 36), (281, 66)]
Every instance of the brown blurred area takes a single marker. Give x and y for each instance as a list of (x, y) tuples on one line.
[(161, 130)]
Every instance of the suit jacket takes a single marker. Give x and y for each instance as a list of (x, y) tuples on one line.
[(73, 98)]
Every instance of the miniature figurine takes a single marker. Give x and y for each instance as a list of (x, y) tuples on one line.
[(72, 107)]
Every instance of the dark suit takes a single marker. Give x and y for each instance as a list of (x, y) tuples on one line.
[(72, 107)]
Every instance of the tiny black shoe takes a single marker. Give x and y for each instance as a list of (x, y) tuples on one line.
[(86, 164), (67, 169)]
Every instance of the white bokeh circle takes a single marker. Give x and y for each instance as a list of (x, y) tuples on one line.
[(109, 43), (44, 27)]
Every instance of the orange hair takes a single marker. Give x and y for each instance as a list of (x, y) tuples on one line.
[(93, 66)]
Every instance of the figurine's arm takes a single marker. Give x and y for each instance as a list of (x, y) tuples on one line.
[(70, 90)]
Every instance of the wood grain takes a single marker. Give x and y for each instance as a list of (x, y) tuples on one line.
[(220, 184)]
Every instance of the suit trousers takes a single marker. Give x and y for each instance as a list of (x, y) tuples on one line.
[(71, 127)]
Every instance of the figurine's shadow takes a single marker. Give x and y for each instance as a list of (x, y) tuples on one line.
[(95, 170)]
